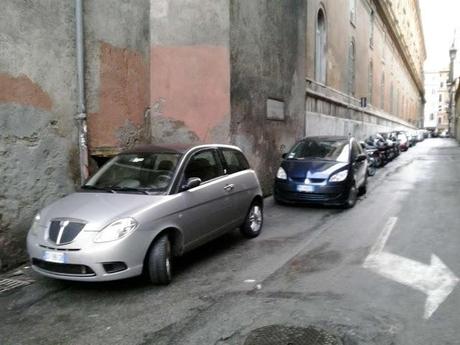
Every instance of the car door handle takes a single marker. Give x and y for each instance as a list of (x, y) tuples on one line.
[(229, 187)]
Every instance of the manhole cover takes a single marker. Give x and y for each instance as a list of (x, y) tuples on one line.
[(10, 284), (284, 335)]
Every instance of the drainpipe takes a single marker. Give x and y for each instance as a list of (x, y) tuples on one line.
[(81, 107)]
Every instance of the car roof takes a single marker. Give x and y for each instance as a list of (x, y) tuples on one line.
[(175, 148)]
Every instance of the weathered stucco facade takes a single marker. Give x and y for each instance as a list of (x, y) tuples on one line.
[(373, 49), (267, 57), (189, 71), (37, 104)]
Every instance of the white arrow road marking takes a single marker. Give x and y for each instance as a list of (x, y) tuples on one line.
[(436, 280)]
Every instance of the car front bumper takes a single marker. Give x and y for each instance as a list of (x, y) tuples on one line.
[(90, 262), (287, 192)]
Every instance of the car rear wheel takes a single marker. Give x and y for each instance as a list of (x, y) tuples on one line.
[(159, 261), (252, 225)]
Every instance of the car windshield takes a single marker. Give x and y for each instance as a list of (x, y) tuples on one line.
[(136, 172), (334, 150)]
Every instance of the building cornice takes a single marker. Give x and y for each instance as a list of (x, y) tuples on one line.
[(388, 16)]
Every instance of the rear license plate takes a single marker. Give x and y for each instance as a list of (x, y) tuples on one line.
[(305, 189), (54, 257)]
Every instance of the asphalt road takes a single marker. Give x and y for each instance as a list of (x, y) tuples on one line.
[(309, 267)]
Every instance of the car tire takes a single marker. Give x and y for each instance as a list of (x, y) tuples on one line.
[(159, 261), (278, 201), (253, 222), (363, 189), (351, 197), (371, 170)]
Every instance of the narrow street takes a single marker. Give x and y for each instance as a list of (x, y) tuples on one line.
[(310, 266)]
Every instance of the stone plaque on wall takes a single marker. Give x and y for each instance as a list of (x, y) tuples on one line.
[(275, 109)]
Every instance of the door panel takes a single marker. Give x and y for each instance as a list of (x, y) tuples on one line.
[(207, 207)]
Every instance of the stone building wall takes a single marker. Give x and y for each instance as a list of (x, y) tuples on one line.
[(387, 75), (38, 152), (268, 89)]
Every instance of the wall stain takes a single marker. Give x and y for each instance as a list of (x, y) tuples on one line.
[(123, 96), (194, 84), (22, 90)]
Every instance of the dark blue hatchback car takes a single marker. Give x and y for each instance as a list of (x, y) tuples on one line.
[(322, 170)]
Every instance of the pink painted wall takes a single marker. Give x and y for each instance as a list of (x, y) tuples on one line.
[(192, 83)]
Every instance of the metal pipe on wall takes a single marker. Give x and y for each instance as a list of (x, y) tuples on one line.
[(81, 108)]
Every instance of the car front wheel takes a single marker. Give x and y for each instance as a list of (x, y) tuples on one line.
[(159, 261), (352, 196), (252, 225)]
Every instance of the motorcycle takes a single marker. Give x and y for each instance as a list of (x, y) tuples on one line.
[(373, 158)]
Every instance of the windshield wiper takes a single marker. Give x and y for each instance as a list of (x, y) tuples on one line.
[(129, 189), (89, 187)]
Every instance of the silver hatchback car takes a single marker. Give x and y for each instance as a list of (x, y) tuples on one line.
[(142, 208)]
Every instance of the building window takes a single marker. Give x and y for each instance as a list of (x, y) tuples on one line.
[(440, 97), (353, 11), (371, 29), (370, 82), (431, 117), (351, 68), (382, 91), (320, 56)]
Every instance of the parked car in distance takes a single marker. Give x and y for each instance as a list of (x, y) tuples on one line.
[(403, 141), (420, 136), (144, 207), (412, 137), (324, 170), (444, 134)]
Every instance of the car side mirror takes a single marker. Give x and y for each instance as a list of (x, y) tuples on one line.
[(192, 182), (284, 155), (361, 157)]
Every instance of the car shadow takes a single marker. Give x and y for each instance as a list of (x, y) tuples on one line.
[(182, 265)]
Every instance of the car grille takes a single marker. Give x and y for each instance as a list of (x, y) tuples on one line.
[(310, 196), (70, 269), (60, 249), (63, 231), (312, 180)]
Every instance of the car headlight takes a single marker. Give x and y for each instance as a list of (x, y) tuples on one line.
[(281, 174), (339, 177), (116, 230), (35, 227)]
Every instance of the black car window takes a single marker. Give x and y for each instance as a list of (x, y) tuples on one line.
[(326, 149), (234, 161), (355, 151), (203, 165)]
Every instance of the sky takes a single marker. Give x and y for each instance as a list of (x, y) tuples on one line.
[(440, 18)]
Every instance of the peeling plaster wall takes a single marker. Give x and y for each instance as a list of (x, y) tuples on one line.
[(267, 57), (190, 71), (117, 72), (38, 161)]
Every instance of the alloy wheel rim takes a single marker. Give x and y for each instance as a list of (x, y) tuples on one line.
[(255, 218)]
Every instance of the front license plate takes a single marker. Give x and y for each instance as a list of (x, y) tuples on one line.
[(54, 257), (305, 189)]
